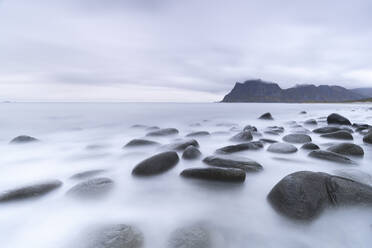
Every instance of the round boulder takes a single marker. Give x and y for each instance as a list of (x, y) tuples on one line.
[(242, 136), (347, 149), (156, 164), (341, 135), (198, 134), (191, 152), (23, 139), (310, 146), (368, 138), (331, 156), (297, 138), (266, 116), (140, 142), (338, 119), (282, 148), (311, 122), (215, 174), (163, 132), (242, 163), (92, 188)]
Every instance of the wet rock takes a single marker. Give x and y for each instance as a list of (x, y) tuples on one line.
[(23, 139), (215, 174), (242, 163), (310, 146), (140, 142), (191, 152), (330, 156), (270, 141), (163, 132), (300, 130), (338, 119), (242, 136), (347, 149), (361, 126), (355, 175), (181, 145), (304, 195), (92, 188), (274, 130), (311, 122), (266, 116), (342, 135), (367, 138), (239, 148), (198, 134), (250, 128), (191, 237), (114, 236), (297, 138), (30, 192), (324, 130), (156, 164), (303, 112), (282, 148), (87, 174)]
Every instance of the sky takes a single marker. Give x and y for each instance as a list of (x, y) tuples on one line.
[(178, 50)]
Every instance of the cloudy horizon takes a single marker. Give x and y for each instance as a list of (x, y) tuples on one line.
[(186, 51)]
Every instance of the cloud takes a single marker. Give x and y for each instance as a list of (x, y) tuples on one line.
[(194, 49)]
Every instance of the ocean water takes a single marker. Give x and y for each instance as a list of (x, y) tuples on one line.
[(240, 215)]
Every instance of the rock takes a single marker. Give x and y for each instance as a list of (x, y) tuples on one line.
[(355, 175), (153, 128), (310, 146), (156, 164), (297, 138), (311, 122), (274, 130), (220, 133), (300, 130), (191, 152), (23, 139), (331, 156), (270, 141), (338, 119), (239, 148), (250, 128), (242, 136), (190, 237), (114, 236), (140, 142), (87, 174), (303, 112), (282, 148), (92, 188), (181, 145), (139, 126), (30, 192), (198, 134), (343, 135), (347, 149), (361, 127), (242, 163), (304, 195), (266, 116), (323, 130), (367, 138), (215, 174), (163, 132)]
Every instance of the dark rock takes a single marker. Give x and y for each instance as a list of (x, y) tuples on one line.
[(163, 132), (156, 164), (270, 141), (266, 116), (347, 149), (367, 138), (282, 148), (310, 146), (87, 174), (191, 237), (198, 134), (304, 195), (191, 152), (343, 135), (139, 126), (324, 130), (22, 139), (355, 175), (114, 236), (30, 192), (311, 122), (92, 188), (330, 156), (275, 130), (338, 119), (239, 148), (297, 138), (250, 128), (181, 145), (303, 112), (140, 142), (233, 162), (215, 174), (242, 136)]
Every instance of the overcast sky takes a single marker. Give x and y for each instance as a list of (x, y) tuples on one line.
[(174, 50)]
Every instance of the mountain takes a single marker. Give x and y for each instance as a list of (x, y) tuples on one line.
[(260, 91), (363, 91)]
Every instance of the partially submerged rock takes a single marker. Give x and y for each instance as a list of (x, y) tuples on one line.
[(242, 163), (92, 188), (140, 142), (239, 148), (181, 145), (191, 237), (328, 129), (310, 146), (297, 138), (338, 119), (342, 135), (191, 152), (86, 174), (347, 149), (23, 139), (266, 116), (368, 138), (282, 148), (30, 192), (311, 122), (274, 130), (355, 175), (331, 156), (270, 141), (198, 134), (215, 174), (163, 132), (242, 136), (156, 164)]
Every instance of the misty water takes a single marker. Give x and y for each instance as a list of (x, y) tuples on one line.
[(76, 137)]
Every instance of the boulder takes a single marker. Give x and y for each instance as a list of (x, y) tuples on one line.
[(266, 116), (304, 195), (331, 156), (347, 149), (300, 130), (329, 129), (163, 132), (86, 174), (310, 146), (92, 188), (191, 152), (342, 135), (338, 119), (156, 164), (311, 122), (215, 174), (250, 128), (270, 141), (140, 142), (30, 192), (367, 138), (242, 163), (242, 136), (297, 138), (303, 112), (274, 130), (239, 148), (191, 237), (282, 148), (181, 145), (23, 139), (198, 134)]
